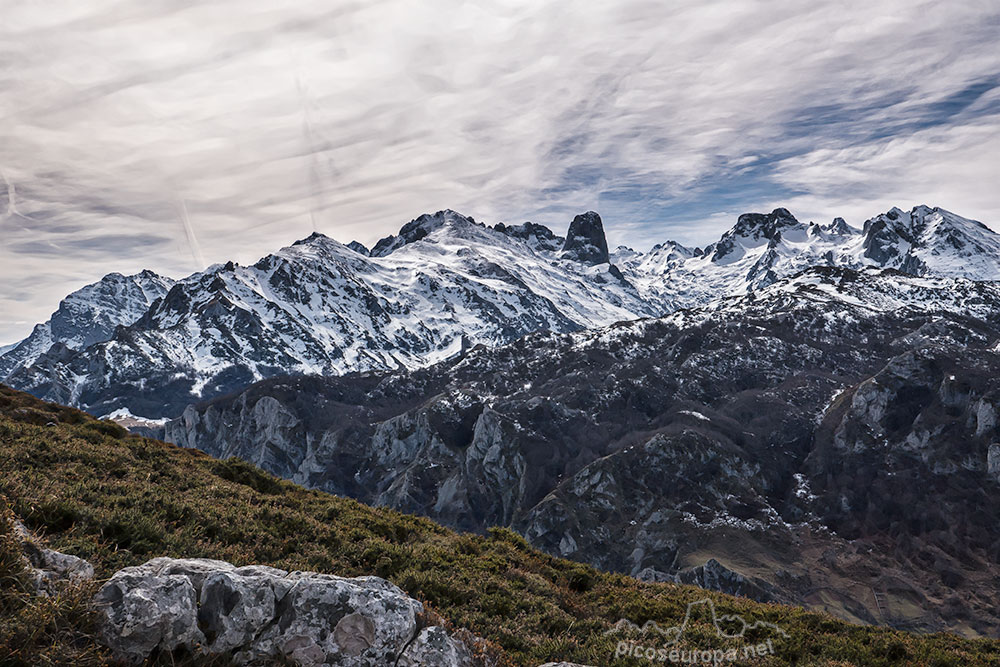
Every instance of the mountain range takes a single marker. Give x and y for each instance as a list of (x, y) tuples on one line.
[(148, 346), (796, 413), (827, 441)]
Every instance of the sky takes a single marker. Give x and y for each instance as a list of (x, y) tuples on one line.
[(171, 135)]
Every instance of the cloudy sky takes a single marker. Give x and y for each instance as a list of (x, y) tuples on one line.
[(171, 134)]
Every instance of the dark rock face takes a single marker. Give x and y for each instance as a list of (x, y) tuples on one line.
[(359, 248), (767, 225), (888, 240), (831, 431), (585, 241), (537, 236)]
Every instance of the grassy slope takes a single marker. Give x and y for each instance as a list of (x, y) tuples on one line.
[(120, 500)]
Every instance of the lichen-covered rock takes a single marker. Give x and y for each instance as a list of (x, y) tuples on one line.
[(235, 606), (434, 647), (47, 568), (371, 622), (142, 611), (261, 615)]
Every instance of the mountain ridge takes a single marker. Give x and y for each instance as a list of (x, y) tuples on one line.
[(445, 282), (773, 444)]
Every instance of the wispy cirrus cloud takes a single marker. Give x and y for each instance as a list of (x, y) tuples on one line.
[(353, 117)]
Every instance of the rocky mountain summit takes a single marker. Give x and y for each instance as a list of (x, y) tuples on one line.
[(146, 346), (585, 241), (86, 317), (829, 432)]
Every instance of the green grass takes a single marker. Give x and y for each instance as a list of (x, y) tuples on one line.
[(116, 499)]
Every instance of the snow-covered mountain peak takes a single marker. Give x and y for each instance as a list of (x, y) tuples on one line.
[(422, 227), (89, 315), (537, 237), (839, 227), (659, 261), (753, 230), (315, 237), (932, 240), (316, 246)]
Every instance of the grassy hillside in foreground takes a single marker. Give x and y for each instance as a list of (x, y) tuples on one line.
[(116, 499)]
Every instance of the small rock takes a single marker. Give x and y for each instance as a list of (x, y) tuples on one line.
[(434, 646), (654, 576), (993, 461), (48, 568)]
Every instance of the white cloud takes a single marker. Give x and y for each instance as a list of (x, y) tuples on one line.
[(361, 115), (950, 167)]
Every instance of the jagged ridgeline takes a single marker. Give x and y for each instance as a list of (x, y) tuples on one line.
[(147, 346), (118, 500)]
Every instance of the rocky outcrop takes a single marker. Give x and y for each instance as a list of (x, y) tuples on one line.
[(715, 576), (765, 225), (261, 615), (49, 569), (539, 237), (359, 248), (585, 241)]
